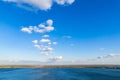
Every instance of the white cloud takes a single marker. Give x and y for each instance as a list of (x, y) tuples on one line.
[(45, 53), (40, 4), (44, 45), (41, 28), (58, 58), (49, 22), (45, 36), (55, 43), (46, 48), (113, 55), (28, 30), (70, 1), (26, 7), (48, 29), (37, 46), (62, 2), (45, 41), (109, 56), (41, 25), (49, 43), (35, 41)]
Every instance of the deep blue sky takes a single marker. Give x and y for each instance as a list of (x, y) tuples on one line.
[(92, 24)]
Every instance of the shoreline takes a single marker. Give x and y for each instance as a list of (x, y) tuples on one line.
[(61, 66)]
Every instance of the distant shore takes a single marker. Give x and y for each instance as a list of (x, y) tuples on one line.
[(61, 66)]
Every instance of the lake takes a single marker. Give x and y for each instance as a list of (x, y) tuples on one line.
[(59, 74)]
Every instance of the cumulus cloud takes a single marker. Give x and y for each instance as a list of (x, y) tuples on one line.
[(40, 4), (45, 41), (28, 30), (45, 45), (35, 41), (49, 22), (41, 28)]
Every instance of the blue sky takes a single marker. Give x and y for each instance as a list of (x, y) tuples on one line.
[(84, 31)]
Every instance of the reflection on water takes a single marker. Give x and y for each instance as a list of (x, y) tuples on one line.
[(59, 74)]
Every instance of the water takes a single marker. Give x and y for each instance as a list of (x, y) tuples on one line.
[(59, 74)]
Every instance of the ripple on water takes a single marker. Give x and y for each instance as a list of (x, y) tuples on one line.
[(59, 74)]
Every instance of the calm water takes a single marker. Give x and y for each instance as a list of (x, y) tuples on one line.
[(60, 74)]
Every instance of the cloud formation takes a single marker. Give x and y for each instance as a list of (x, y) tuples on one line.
[(55, 43), (35, 41), (109, 56), (45, 36), (28, 30), (58, 58), (62, 2), (39, 4), (45, 44), (41, 28), (45, 41)]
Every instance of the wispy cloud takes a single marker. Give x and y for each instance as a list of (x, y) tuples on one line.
[(54, 59), (22, 62), (102, 49), (45, 36), (55, 43), (39, 4), (109, 56)]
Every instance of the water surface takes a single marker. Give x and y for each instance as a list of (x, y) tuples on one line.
[(59, 74)]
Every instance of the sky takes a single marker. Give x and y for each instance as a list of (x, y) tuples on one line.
[(59, 31)]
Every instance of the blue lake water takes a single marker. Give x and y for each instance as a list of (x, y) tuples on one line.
[(59, 74)]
